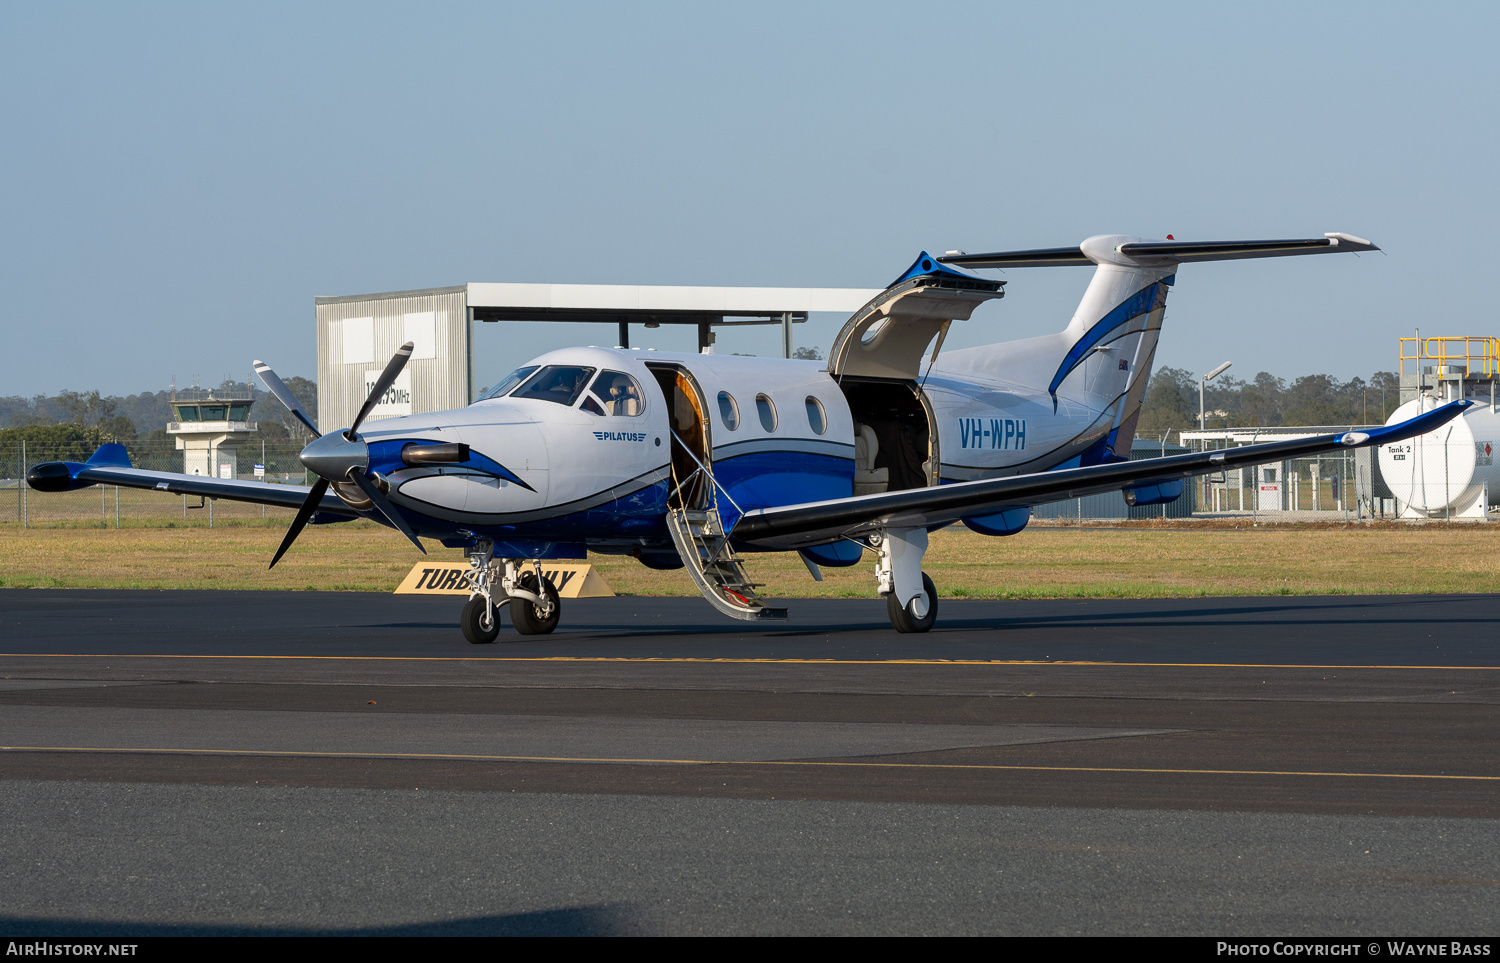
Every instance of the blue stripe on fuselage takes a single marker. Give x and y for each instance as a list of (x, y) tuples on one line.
[(772, 478), (754, 480), (385, 457), (1139, 303)]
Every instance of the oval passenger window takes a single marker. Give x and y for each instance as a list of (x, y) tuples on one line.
[(767, 412), (815, 416), (729, 412)]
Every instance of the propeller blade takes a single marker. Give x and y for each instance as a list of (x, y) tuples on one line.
[(309, 505), (284, 395), (385, 508), (387, 378)]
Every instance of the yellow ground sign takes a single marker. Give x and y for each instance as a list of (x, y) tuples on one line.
[(574, 580)]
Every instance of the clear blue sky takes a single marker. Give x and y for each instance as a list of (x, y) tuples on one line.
[(182, 180)]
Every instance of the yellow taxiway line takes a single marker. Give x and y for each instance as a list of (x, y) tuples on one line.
[(734, 661), (742, 762)]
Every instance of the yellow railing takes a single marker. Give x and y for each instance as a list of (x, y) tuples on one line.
[(1480, 356)]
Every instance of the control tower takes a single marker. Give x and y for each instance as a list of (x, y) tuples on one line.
[(211, 425)]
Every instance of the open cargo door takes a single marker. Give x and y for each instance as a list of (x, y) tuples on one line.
[(876, 360), (888, 337)]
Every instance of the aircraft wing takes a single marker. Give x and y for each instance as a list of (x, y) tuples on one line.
[(818, 523), (111, 466)]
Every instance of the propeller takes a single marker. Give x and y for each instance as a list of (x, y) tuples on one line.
[(309, 505), (382, 385), (342, 456), (284, 395)]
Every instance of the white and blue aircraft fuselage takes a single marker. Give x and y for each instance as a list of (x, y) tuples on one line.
[(693, 460)]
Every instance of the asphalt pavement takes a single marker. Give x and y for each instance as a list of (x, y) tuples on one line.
[(240, 762)]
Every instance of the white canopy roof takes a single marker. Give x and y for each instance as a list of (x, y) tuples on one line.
[(728, 302)]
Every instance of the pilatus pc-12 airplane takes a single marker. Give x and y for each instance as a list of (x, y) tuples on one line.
[(696, 461)]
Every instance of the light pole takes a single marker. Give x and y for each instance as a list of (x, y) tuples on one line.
[(1203, 384)]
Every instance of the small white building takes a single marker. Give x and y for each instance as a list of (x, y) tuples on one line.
[(210, 426), (1326, 483)]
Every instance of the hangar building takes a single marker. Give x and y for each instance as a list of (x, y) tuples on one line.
[(358, 334)]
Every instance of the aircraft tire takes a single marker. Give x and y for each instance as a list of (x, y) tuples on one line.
[(901, 618), (472, 619), (523, 614)]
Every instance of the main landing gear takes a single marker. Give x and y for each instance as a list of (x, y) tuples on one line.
[(535, 606), (911, 600)]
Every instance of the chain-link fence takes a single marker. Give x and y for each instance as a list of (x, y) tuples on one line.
[(111, 506), (1322, 488)]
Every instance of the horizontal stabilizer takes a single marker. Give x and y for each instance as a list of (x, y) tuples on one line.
[(1038, 257), (1136, 251)]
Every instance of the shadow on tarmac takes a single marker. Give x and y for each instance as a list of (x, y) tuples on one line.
[(601, 920)]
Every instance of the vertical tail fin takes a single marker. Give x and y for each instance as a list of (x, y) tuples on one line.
[(1113, 336), (1110, 343)]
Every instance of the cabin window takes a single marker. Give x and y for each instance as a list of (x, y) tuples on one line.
[(558, 383), (816, 418), (619, 393), (511, 380), (767, 412), (592, 406), (729, 412)]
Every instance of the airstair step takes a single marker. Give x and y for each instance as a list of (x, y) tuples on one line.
[(711, 562)]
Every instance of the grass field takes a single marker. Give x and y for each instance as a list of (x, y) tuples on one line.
[(1140, 560)]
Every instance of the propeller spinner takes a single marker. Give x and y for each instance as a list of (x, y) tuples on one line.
[(341, 458)]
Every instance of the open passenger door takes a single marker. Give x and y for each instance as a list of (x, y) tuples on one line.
[(693, 503)]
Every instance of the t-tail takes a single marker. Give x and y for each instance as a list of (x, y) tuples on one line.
[(1118, 322)]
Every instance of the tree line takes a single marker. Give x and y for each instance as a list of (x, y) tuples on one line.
[(1266, 401), (84, 420), (78, 422)]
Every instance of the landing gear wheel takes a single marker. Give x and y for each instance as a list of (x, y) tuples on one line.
[(902, 618), (525, 615), (472, 622)]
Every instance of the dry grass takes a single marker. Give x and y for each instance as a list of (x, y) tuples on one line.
[(1140, 560)]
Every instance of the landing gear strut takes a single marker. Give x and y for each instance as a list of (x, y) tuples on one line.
[(534, 603), (910, 597)]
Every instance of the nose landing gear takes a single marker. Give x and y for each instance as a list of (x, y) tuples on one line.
[(535, 606), (480, 621), (536, 618)]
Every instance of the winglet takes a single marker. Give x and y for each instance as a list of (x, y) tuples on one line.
[(1410, 428), (110, 456)]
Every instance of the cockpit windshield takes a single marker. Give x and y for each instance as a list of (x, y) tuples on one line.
[(511, 380), (558, 383)]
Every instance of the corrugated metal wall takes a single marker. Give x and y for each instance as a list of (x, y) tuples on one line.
[(437, 384), (1112, 504)]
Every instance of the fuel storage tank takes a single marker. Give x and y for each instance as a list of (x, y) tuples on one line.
[(1447, 473)]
